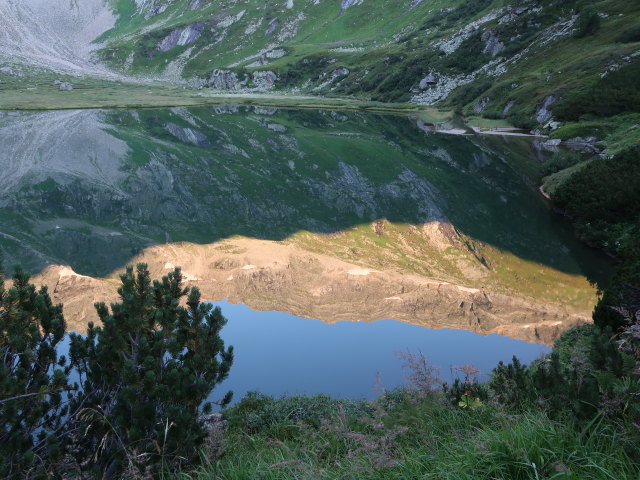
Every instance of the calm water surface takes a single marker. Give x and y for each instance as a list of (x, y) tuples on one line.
[(91, 189), (342, 359)]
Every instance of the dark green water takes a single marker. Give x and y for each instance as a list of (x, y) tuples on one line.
[(91, 189)]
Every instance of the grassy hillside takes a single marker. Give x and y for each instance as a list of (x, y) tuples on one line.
[(512, 54)]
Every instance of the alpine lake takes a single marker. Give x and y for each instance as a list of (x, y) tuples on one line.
[(331, 239)]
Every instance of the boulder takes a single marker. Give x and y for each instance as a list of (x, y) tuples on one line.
[(428, 81), (543, 113), (66, 87), (481, 105), (264, 80), (493, 45)]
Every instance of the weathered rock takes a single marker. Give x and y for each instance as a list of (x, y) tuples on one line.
[(508, 107), (264, 80), (188, 135), (225, 80), (481, 105), (276, 53), (543, 113), (493, 45), (66, 86), (273, 24), (338, 117), (182, 36), (350, 3), (10, 72), (428, 81)]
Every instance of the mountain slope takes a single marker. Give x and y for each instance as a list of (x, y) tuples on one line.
[(55, 35), (514, 60)]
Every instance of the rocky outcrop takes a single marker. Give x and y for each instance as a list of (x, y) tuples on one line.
[(273, 24), (264, 80), (543, 113), (481, 105), (225, 80), (508, 106), (10, 72), (350, 3), (493, 45), (428, 81), (336, 74), (181, 36), (188, 135)]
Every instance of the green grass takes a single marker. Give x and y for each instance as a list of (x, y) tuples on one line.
[(39, 93), (404, 438)]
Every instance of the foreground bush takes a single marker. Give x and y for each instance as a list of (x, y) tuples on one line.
[(33, 379), (145, 373)]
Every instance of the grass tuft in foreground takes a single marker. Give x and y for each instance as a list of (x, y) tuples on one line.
[(406, 435)]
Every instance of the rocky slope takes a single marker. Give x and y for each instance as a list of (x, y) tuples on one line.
[(519, 61), (41, 35), (514, 60)]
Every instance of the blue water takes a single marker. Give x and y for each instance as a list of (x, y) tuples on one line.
[(277, 353), (281, 354)]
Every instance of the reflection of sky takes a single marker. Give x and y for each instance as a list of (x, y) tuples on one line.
[(277, 353)]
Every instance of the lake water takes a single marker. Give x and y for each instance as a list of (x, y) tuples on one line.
[(343, 359), (319, 214)]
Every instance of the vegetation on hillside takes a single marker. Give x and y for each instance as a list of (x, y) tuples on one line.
[(516, 55)]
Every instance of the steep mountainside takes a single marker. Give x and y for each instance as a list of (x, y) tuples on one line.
[(41, 35), (533, 63), (515, 60)]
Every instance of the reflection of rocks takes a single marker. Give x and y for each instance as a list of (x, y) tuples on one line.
[(188, 135), (279, 276)]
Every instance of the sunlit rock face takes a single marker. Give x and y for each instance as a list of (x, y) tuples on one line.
[(343, 216), (54, 34)]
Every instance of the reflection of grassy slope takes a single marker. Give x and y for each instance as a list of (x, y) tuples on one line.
[(258, 182)]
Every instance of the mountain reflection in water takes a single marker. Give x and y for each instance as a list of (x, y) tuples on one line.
[(94, 190)]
